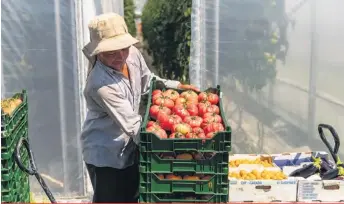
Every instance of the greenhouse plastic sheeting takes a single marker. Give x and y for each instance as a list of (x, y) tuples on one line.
[(139, 4), (41, 52), (280, 64)]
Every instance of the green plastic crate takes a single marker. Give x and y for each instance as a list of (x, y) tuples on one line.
[(152, 143), (149, 142), (21, 131), (8, 196), (9, 169), (18, 194), (15, 177), (182, 198), (7, 185), (16, 181), (9, 122), (151, 183), (19, 186), (23, 186), (153, 163)]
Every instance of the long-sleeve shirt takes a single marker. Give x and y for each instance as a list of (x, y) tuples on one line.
[(112, 124)]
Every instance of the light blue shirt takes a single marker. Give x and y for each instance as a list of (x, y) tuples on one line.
[(112, 124)]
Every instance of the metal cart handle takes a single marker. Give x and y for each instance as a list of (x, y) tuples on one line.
[(32, 170), (333, 151)]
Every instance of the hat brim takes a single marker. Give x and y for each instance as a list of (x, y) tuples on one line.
[(112, 44)]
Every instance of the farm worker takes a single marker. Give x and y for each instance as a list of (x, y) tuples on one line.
[(118, 76)]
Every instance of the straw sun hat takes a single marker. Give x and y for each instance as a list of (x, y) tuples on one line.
[(108, 32)]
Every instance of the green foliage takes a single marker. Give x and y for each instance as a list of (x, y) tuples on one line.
[(129, 16), (166, 26), (251, 55)]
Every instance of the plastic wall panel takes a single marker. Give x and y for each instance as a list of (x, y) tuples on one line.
[(41, 52), (274, 104)]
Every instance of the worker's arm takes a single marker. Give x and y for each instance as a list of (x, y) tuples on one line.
[(116, 106), (147, 76)]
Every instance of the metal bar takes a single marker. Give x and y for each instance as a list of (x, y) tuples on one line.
[(217, 39), (312, 74), (80, 76), (194, 65), (61, 97), (203, 38)]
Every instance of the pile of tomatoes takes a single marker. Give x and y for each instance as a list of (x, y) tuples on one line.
[(184, 115)]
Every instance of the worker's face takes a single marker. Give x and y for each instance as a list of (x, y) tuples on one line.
[(114, 59)]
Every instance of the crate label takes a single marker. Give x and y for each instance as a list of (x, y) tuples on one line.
[(287, 182), (263, 182), (316, 190), (268, 191)]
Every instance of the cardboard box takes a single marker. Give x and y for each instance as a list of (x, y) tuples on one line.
[(320, 191), (261, 190)]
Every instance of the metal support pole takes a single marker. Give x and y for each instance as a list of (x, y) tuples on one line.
[(195, 58), (203, 39), (81, 76), (60, 77), (312, 75), (217, 39)]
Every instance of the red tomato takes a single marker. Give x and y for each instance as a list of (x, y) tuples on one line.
[(199, 132), (182, 128), (162, 133), (189, 94), (207, 96), (210, 135), (205, 123), (180, 101), (188, 105), (190, 135), (192, 109), (176, 135), (163, 101), (203, 103), (156, 91), (163, 120), (193, 121), (206, 108), (213, 117), (181, 111), (203, 96), (157, 95), (157, 131), (172, 94), (167, 121), (152, 123), (184, 101), (213, 127), (155, 109), (213, 98)]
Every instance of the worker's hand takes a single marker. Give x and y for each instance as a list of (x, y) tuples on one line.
[(188, 87)]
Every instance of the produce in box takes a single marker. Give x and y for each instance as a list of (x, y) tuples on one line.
[(10, 104), (185, 115), (258, 175), (237, 162)]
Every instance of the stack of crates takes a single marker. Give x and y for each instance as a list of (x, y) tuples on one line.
[(163, 176), (14, 183)]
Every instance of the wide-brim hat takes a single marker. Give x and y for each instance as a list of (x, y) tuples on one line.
[(108, 32)]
